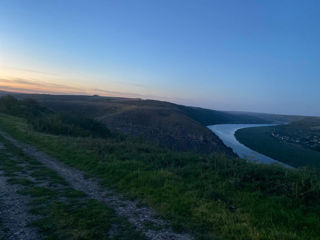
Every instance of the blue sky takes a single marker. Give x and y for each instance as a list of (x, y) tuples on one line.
[(259, 56)]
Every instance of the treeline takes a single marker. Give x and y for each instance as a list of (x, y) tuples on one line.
[(26, 108), (45, 120)]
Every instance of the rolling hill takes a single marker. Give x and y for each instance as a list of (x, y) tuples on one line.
[(166, 124)]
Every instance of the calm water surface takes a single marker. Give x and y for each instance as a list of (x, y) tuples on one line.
[(226, 133)]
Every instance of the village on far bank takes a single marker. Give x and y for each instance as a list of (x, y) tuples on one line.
[(311, 141)]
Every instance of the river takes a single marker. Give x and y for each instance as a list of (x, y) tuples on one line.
[(226, 133)]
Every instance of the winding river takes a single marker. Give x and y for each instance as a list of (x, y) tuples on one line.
[(226, 133)]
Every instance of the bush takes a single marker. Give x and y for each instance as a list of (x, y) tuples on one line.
[(44, 120)]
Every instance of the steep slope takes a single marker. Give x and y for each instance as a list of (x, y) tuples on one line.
[(159, 122), (211, 117), (167, 124)]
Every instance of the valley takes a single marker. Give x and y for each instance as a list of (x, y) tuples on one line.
[(226, 132), (159, 120), (200, 195)]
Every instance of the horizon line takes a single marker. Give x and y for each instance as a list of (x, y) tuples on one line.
[(32, 92)]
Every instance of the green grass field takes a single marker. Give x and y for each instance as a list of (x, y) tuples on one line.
[(261, 140), (210, 196)]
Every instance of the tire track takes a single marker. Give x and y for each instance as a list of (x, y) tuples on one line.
[(140, 217), (14, 213)]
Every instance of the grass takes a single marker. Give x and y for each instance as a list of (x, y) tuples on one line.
[(20, 181), (90, 220), (260, 140), (62, 212), (45, 174), (211, 196)]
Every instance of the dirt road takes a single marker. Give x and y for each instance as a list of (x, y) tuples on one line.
[(141, 217)]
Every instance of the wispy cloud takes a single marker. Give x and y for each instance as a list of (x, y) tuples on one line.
[(137, 85), (30, 70), (15, 82), (31, 86), (41, 87)]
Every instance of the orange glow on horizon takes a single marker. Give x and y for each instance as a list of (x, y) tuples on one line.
[(40, 87)]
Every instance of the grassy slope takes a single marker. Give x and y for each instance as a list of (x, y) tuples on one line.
[(175, 126), (214, 197), (156, 121), (97, 106), (260, 139)]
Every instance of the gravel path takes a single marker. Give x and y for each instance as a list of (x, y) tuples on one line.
[(140, 217), (14, 215)]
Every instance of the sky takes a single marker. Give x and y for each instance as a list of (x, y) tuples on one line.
[(259, 56)]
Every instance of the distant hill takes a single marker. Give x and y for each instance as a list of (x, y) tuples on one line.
[(211, 117), (304, 132), (307, 123), (167, 124), (275, 118), (159, 122)]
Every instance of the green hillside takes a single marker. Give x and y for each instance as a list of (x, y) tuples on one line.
[(166, 124), (210, 196), (261, 139)]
